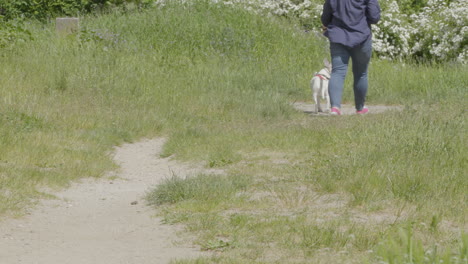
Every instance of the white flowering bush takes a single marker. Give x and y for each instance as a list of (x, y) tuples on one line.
[(435, 30), (391, 37), (439, 31)]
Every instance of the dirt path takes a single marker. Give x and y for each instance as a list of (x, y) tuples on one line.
[(309, 108), (94, 221)]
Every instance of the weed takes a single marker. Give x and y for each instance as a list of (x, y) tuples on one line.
[(201, 188)]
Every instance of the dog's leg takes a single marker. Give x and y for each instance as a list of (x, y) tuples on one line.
[(320, 89), (327, 95), (328, 102), (317, 103), (314, 88)]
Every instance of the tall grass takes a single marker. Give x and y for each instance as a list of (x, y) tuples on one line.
[(65, 102), (218, 82)]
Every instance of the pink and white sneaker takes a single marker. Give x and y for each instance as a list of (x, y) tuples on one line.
[(364, 110), (335, 111)]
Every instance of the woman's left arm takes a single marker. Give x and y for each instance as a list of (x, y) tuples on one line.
[(327, 13)]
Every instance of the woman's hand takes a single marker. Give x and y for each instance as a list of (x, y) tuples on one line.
[(324, 28)]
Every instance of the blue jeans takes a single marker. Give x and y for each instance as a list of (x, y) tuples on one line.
[(360, 56)]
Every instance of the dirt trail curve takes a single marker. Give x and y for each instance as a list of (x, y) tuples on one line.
[(94, 221)]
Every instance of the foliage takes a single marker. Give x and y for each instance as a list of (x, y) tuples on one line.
[(41, 9), (46, 9), (13, 32)]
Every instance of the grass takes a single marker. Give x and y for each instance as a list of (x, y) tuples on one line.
[(218, 83)]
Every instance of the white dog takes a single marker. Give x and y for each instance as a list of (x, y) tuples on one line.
[(319, 86)]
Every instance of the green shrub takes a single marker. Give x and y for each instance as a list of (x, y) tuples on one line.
[(41, 9), (11, 32), (46, 9)]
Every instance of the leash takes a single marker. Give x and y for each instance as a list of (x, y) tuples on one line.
[(322, 77), (324, 40)]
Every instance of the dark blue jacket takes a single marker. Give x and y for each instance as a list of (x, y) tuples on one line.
[(348, 21)]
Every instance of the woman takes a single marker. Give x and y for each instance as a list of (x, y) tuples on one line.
[(347, 26)]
